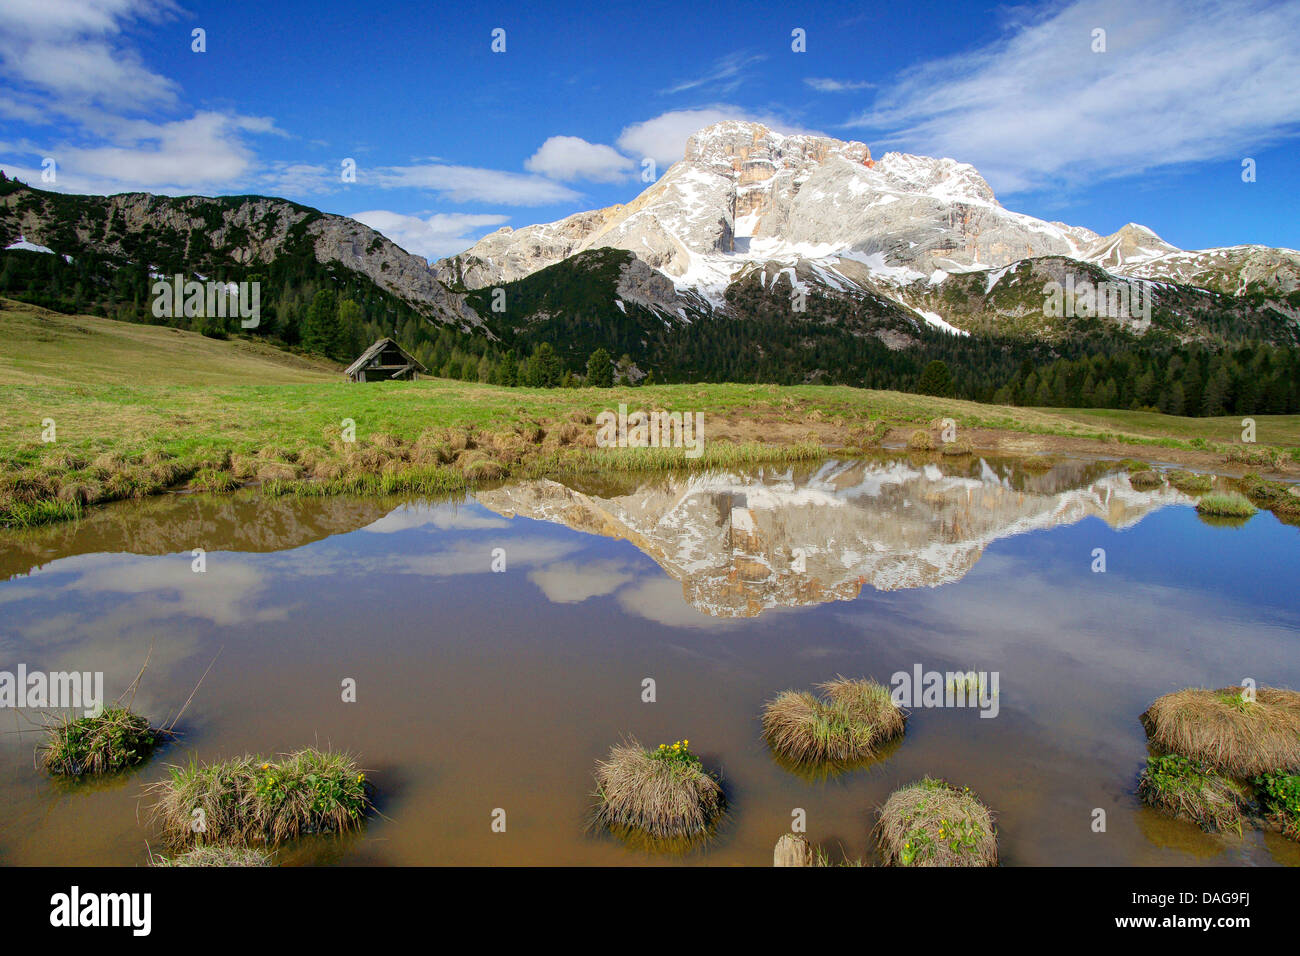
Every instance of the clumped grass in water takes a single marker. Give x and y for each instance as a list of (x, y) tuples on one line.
[(665, 793), (1280, 796), (1185, 789), (114, 740), (932, 823), (210, 855), (1189, 482), (253, 800), (847, 725), (1222, 731), (1276, 496), (1225, 505), (1145, 479)]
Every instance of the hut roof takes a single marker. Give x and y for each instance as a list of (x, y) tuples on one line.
[(377, 348)]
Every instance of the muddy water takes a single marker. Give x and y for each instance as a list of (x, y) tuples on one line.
[(479, 690)]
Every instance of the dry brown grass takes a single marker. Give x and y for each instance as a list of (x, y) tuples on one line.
[(214, 856), (846, 726), (920, 440), (1220, 731), (666, 799), (932, 823)]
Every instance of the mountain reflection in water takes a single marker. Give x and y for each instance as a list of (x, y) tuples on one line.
[(741, 543)]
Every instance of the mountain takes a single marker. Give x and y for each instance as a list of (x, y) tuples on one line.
[(196, 235), (758, 257), (746, 194), (745, 198)]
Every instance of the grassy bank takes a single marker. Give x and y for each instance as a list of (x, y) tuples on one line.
[(165, 414)]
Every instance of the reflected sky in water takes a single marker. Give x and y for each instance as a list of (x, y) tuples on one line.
[(479, 690)]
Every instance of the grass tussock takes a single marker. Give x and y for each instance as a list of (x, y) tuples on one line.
[(1185, 789), (1222, 731), (1190, 482), (921, 440), (1254, 455), (665, 793), (1227, 504), (1145, 479), (254, 800), (846, 725), (959, 447), (932, 823), (1276, 496), (210, 855), (1038, 464), (114, 740)]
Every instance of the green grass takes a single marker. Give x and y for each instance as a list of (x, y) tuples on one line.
[(1280, 796), (254, 800), (1225, 505), (111, 741), (1183, 788), (1189, 482), (42, 347), (141, 409)]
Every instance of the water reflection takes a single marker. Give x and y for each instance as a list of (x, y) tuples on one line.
[(742, 543), (482, 688)]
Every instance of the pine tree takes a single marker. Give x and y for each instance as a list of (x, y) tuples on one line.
[(320, 329), (600, 369)]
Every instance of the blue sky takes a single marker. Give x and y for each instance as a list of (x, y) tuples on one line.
[(452, 140)]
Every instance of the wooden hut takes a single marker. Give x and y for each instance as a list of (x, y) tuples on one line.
[(384, 361)]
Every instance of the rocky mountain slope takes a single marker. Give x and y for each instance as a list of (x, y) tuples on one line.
[(746, 200), (809, 231), (198, 234)]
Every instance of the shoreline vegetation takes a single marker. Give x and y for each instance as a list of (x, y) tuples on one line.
[(114, 442), (1224, 758), (101, 411)]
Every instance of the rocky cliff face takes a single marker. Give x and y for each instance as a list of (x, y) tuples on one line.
[(201, 232), (746, 200), (742, 543), (744, 194)]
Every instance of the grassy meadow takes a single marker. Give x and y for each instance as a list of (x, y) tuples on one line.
[(138, 410)]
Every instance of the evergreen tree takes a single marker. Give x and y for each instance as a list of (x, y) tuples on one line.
[(600, 369), (936, 379), (320, 329)]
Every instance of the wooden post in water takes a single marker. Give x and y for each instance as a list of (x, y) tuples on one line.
[(792, 850)]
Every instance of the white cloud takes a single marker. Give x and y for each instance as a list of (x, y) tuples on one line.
[(435, 236), (660, 599), (70, 48), (571, 157), (204, 151), (568, 582), (827, 85), (1178, 83), (472, 184), (663, 138)]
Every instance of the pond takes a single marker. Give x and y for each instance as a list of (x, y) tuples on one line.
[(500, 644)]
